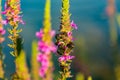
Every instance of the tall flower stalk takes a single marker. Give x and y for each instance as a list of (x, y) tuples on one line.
[(34, 63), (46, 46), (111, 15), (13, 17), (111, 11), (64, 41), (21, 72), (21, 67), (2, 32)]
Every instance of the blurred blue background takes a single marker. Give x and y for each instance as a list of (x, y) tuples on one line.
[(92, 45)]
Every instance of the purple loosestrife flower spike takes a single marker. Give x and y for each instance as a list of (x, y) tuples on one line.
[(44, 53), (46, 46), (12, 13), (2, 32), (64, 41), (13, 16)]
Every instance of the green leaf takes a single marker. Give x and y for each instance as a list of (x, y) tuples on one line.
[(10, 31), (12, 53), (19, 30), (11, 45)]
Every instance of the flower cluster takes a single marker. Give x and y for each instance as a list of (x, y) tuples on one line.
[(65, 46), (65, 58), (13, 17), (12, 13), (45, 49), (43, 59), (2, 31)]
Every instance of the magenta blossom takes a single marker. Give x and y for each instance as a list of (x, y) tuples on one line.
[(52, 33), (42, 72), (12, 12), (42, 45), (73, 25), (2, 31), (43, 59), (4, 22), (45, 49), (65, 58), (69, 33), (4, 12), (39, 34)]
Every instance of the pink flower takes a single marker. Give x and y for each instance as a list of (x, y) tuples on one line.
[(69, 34), (2, 31), (4, 22), (73, 25), (53, 48), (21, 21), (12, 12), (52, 33), (43, 47), (42, 72), (65, 58), (18, 19), (3, 12), (39, 34), (43, 59)]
